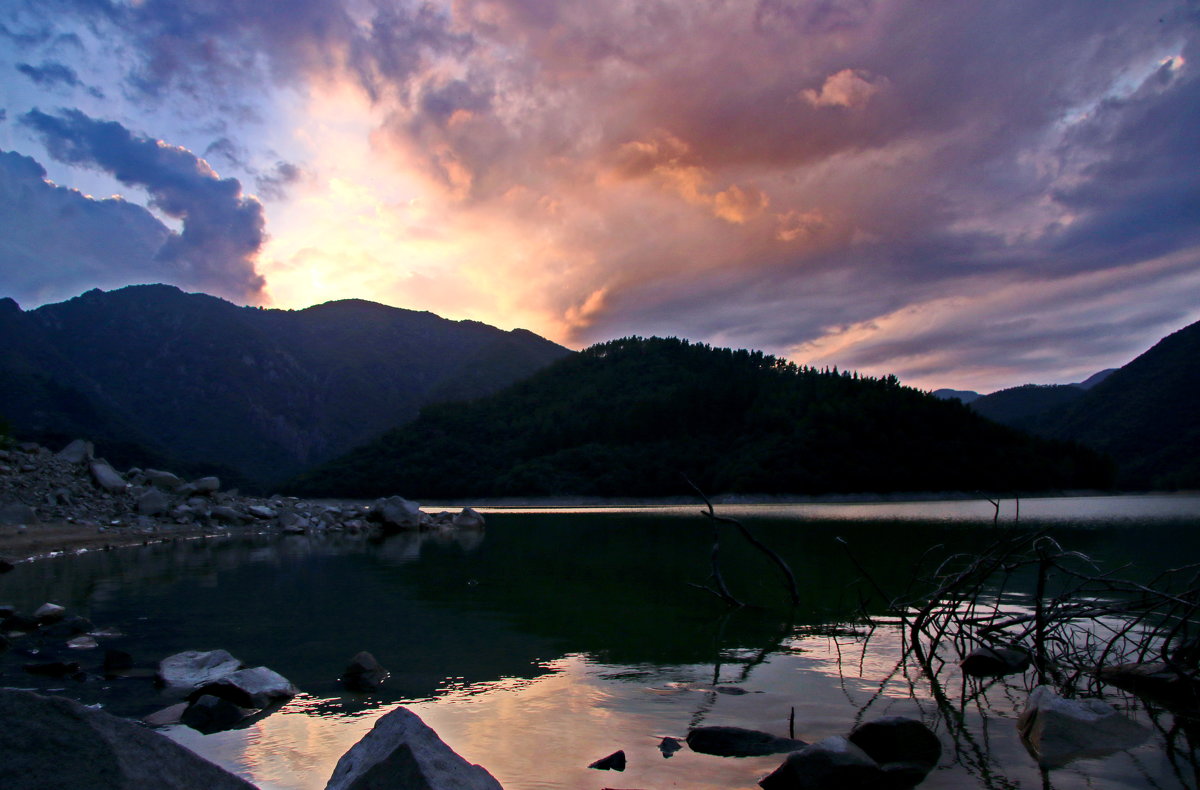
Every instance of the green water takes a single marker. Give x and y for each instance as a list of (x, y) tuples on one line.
[(557, 637)]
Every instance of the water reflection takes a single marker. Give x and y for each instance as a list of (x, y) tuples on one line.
[(554, 639)]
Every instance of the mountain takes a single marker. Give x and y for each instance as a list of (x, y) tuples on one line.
[(1015, 405), (966, 396), (626, 418), (1144, 415), (151, 371)]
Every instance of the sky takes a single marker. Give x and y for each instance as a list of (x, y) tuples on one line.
[(966, 194)]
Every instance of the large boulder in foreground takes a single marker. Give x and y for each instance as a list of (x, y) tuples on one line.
[(53, 742), (905, 749), (400, 751), (831, 763), (1057, 731)]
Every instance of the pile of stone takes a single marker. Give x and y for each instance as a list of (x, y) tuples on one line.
[(74, 486)]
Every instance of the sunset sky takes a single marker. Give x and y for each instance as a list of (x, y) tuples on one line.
[(965, 194)]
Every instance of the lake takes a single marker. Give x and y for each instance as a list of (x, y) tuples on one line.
[(561, 635)]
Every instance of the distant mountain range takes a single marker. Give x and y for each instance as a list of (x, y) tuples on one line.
[(632, 416), (156, 375), (1143, 415)]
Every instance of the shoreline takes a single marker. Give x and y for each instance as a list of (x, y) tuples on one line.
[(49, 540)]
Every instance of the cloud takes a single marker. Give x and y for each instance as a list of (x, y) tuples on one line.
[(56, 242), (222, 229), (274, 184), (849, 88), (49, 74)]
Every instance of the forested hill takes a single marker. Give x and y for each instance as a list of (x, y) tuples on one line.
[(626, 418)]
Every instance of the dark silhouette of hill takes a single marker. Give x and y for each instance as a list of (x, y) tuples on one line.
[(625, 418), (1144, 415), (1016, 405), (151, 372)]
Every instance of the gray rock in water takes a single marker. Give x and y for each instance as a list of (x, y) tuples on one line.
[(261, 511), (739, 742), (257, 687), (1057, 731), (833, 762), (210, 714), (13, 513), (468, 518), (225, 515), (397, 513), (400, 751), (153, 502), (668, 746), (49, 613), (77, 452), (901, 746), (106, 477), (164, 480), (613, 762), (364, 673), (1157, 681), (185, 672), (50, 742), (988, 662)]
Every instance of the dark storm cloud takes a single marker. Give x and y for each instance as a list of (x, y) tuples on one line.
[(56, 242), (50, 73), (222, 228)]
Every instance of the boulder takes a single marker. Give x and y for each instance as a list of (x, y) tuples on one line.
[(225, 515), (904, 748), (13, 513), (400, 751), (164, 480), (991, 662), (613, 762), (1156, 681), (261, 511), (363, 673), (106, 477), (84, 642), (153, 502), (668, 746), (257, 687), (6, 564), (171, 714), (206, 485), (397, 513), (739, 742), (1057, 731), (77, 452), (208, 714), (53, 742), (49, 613), (468, 518), (830, 763), (185, 672)]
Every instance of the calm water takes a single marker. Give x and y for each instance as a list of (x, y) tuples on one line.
[(559, 636)]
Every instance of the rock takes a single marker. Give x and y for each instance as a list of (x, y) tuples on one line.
[(830, 763), (613, 762), (106, 477), (257, 687), (84, 642), (14, 513), (49, 613), (903, 748), (990, 662), (185, 672), (1057, 731), (668, 746), (6, 565), (50, 742), (400, 751), (153, 502), (77, 452), (117, 661), (206, 485), (68, 627), (1156, 681), (363, 673), (739, 742), (168, 715), (225, 515), (397, 513), (53, 669), (19, 622), (468, 518), (261, 511), (208, 714), (164, 480)]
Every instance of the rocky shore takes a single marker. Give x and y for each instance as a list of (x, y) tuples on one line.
[(64, 501)]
